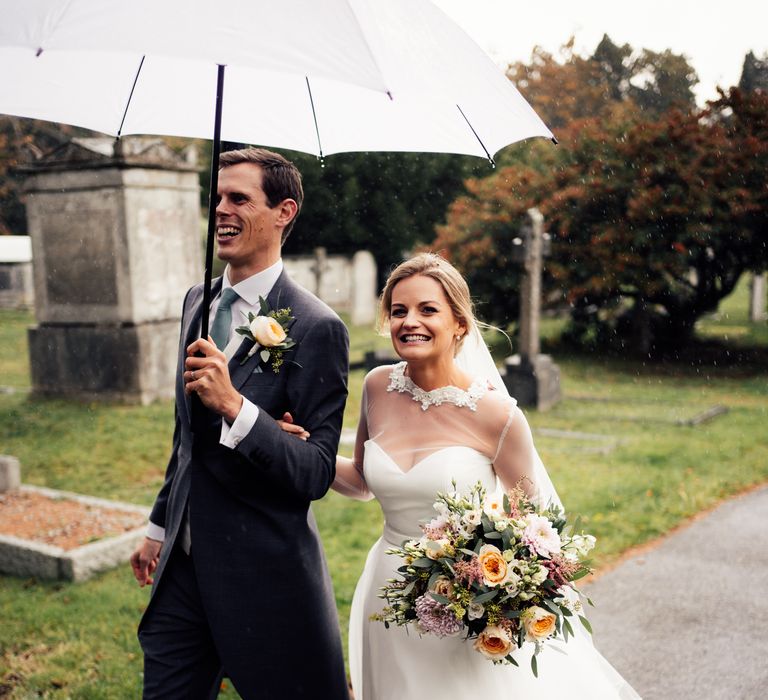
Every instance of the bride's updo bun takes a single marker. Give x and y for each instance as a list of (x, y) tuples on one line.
[(439, 269)]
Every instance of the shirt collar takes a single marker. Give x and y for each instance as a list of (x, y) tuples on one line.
[(255, 286)]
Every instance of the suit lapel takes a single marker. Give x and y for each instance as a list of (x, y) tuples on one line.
[(192, 333), (238, 372)]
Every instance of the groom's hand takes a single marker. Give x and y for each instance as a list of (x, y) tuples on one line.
[(207, 375), (144, 560)]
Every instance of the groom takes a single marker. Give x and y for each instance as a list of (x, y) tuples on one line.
[(240, 581)]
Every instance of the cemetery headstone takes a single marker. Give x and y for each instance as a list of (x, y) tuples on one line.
[(532, 378), (116, 243)]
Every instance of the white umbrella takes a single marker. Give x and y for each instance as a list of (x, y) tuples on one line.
[(319, 77)]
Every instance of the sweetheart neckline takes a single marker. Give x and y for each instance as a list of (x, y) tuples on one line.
[(421, 461)]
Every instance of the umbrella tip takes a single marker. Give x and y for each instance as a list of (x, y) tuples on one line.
[(39, 51), (389, 94), (555, 141)]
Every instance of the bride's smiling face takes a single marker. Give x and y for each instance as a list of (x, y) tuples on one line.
[(422, 324)]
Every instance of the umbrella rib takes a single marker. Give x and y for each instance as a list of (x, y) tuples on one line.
[(130, 97), (314, 116), (479, 140)]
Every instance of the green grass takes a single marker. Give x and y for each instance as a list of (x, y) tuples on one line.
[(78, 640), (731, 322)]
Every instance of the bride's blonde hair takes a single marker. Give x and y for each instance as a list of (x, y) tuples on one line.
[(449, 278)]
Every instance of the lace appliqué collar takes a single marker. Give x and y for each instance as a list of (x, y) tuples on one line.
[(399, 382)]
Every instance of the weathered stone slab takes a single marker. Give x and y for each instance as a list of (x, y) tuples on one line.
[(20, 557), (133, 364)]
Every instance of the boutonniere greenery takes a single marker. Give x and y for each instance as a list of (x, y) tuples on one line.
[(269, 332)]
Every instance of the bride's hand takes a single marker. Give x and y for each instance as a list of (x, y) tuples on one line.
[(289, 426)]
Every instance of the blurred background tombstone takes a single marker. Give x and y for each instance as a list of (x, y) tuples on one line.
[(348, 284), (757, 289), (532, 378), (16, 287), (116, 244)]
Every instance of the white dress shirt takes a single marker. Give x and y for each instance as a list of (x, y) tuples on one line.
[(249, 291)]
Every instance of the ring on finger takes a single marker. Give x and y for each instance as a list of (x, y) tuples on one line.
[(194, 378)]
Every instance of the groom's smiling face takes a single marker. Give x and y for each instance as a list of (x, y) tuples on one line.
[(247, 229)]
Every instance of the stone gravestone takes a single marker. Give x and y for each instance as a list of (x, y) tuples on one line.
[(364, 300), (532, 378), (116, 244), (757, 290)]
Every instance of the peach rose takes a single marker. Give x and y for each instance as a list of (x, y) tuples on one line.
[(267, 331), (494, 567), (494, 642), (539, 623)]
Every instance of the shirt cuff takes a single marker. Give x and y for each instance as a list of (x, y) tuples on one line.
[(231, 435), (155, 532)]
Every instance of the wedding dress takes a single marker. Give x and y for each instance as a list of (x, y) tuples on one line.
[(412, 444)]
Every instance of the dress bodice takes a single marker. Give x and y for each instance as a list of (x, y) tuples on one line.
[(406, 497)]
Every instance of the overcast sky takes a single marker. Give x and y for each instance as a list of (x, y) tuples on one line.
[(715, 35)]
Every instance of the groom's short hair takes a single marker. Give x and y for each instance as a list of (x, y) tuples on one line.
[(280, 179)]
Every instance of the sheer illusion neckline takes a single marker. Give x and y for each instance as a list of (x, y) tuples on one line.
[(398, 381)]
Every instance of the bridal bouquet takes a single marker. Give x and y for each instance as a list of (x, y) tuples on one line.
[(497, 570)]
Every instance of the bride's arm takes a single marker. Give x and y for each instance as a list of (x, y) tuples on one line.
[(349, 479), (515, 455)]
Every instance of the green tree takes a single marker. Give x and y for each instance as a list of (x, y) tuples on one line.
[(754, 73), (654, 220), (387, 203)]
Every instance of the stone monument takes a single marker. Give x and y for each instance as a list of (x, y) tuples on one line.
[(757, 289), (532, 378), (116, 243)]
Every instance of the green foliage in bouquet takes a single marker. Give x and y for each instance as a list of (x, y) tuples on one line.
[(496, 569)]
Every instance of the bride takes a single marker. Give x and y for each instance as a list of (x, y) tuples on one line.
[(441, 415)]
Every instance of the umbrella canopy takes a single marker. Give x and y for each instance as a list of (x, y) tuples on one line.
[(318, 77)]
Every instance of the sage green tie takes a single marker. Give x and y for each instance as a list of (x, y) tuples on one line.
[(223, 320)]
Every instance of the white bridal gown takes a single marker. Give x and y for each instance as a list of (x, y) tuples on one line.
[(412, 444)]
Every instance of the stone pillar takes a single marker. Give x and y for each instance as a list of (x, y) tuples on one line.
[(364, 297), (10, 473), (532, 378), (757, 290), (116, 245)]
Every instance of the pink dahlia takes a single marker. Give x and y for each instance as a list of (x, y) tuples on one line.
[(436, 618)]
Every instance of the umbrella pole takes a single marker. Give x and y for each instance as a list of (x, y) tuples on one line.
[(212, 196)]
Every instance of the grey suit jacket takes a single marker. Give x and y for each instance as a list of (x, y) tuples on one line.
[(260, 567)]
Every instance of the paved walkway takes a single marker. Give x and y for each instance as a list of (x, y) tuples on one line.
[(689, 618)]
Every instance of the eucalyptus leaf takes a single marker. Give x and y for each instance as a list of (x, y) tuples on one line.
[(264, 355), (586, 624), (485, 597), (534, 666), (567, 627), (493, 535), (580, 574), (549, 605), (263, 306), (422, 563), (440, 598)]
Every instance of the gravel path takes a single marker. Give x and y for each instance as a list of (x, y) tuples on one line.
[(689, 618)]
